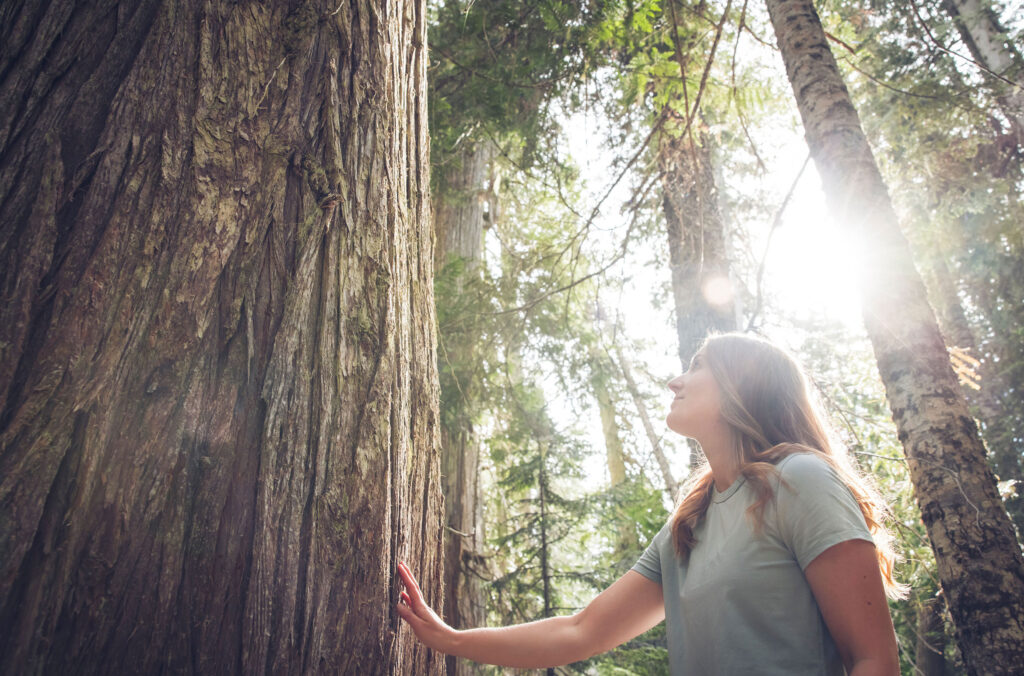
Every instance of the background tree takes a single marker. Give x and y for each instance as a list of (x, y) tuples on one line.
[(217, 377)]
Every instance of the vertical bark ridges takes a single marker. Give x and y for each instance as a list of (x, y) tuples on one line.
[(236, 348)]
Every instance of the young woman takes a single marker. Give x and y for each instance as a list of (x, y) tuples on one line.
[(775, 562)]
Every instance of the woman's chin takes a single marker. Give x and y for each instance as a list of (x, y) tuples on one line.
[(676, 426)]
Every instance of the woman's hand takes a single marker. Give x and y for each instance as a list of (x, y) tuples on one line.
[(429, 628)]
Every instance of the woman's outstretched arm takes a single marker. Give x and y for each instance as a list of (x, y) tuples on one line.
[(628, 608)]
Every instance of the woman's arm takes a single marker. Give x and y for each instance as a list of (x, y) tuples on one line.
[(628, 608), (848, 587)]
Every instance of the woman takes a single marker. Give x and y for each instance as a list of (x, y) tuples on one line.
[(775, 562)]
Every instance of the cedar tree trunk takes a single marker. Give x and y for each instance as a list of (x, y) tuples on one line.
[(978, 558), (218, 395)]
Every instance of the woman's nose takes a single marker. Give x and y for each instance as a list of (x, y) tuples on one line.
[(675, 384)]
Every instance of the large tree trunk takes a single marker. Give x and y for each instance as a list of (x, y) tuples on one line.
[(218, 392), (459, 217), (978, 558)]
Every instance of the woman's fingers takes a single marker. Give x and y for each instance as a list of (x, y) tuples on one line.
[(410, 582), (429, 628), (407, 577)]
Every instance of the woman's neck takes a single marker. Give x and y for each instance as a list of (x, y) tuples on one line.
[(722, 460)]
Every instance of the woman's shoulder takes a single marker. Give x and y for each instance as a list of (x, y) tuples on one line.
[(804, 467)]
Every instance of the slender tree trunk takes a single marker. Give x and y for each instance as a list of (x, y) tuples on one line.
[(459, 220), (615, 458), (930, 651), (978, 558), (988, 43), (612, 442), (218, 392), (545, 568), (671, 485)]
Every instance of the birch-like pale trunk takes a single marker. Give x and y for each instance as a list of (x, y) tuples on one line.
[(218, 391), (986, 39), (978, 558), (615, 456)]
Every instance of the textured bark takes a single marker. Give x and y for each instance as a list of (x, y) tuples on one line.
[(462, 206), (978, 559), (218, 392), (987, 41), (929, 655), (459, 220)]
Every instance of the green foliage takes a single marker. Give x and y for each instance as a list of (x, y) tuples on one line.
[(497, 66)]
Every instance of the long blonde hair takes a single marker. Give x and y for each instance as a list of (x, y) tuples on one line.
[(766, 404)]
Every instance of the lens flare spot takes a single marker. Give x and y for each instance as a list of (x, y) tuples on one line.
[(717, 291)]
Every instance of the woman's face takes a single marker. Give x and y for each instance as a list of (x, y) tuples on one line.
[(696, 409)]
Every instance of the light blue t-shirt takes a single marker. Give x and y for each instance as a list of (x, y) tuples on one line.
[(741, 603)]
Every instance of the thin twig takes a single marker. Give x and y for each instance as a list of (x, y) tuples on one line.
[(775, 224)]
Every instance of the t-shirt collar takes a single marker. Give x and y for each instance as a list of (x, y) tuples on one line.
[(722, 496)]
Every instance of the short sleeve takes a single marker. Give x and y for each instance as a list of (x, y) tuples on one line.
[(649, 563), (815, 509)]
